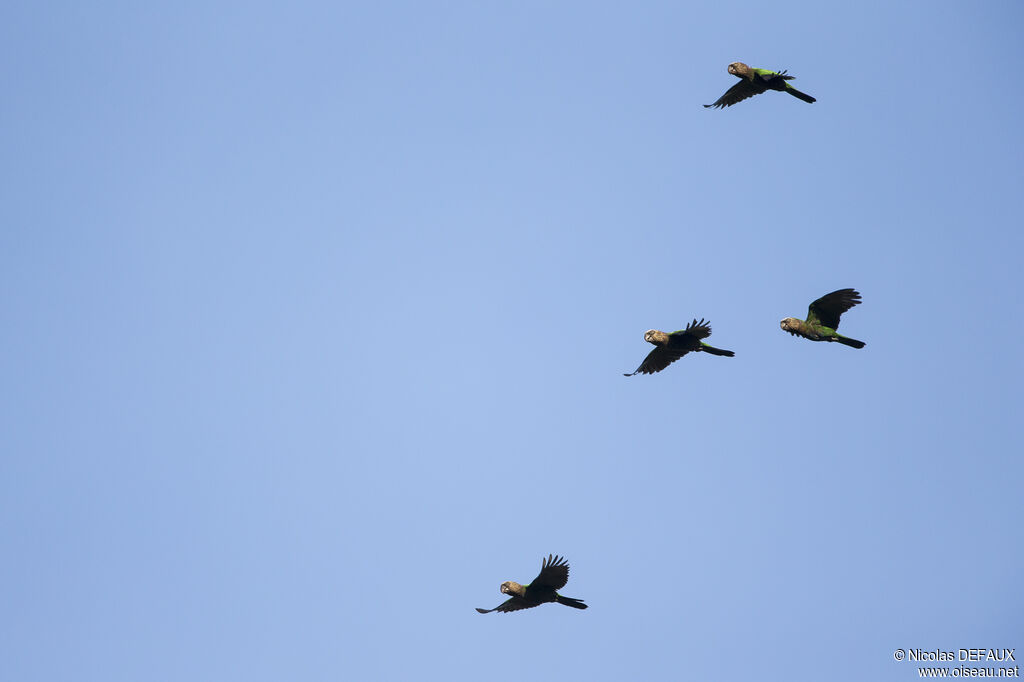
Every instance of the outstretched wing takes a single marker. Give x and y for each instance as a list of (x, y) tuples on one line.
[(513, 604), (554, 573), (680, 343), (658, 359), (695, 330), (737, 93), (827, 309)]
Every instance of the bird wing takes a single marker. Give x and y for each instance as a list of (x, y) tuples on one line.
[(658, 359), (513, 604), (827, 309), (554, 573), (736, 93), (768, 74), (695, 330)]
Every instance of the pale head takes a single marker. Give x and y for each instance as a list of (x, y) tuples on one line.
[(510, 587), (790, 324), (739, 69), (656, 337)]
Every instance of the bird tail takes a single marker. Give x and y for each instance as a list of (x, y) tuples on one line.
[(569, 601), (716, 351), (847, 341), (800, 95)]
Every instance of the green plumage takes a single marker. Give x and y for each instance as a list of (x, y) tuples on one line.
[(754, 82), (823, 319), (554, 574), (672, 346)]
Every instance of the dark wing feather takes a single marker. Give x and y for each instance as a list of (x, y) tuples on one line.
[(827, 309), (772, 75), (695, 331), (554, 573), (513, 604), (737, 93), (658, 359)]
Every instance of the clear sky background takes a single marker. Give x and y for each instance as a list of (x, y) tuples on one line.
[(314, 320)]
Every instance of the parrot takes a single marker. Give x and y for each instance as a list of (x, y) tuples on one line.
[(754, 82), (554, 573), (672, 346), (823, 318)]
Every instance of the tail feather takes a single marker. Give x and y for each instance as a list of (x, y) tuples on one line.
[(847, 341), (800, 95), (716, 351), (569, 601)]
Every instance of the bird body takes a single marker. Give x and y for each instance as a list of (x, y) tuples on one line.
[(554, 574), (823, 319), (755, 81), (672, 346)]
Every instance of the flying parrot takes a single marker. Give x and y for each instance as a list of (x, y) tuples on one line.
[(671, 347), (554, 573), (754, 82), (823, 319)]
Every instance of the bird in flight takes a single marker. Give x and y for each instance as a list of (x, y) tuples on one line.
[(823, 318), (554, 573), (674, 345), (754, 82)]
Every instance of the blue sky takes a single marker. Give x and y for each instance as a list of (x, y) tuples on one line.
[(315, 320)]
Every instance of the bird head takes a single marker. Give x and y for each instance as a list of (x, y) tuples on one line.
[(789, 324), (739, 69), (511, 587), (656, 337)]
